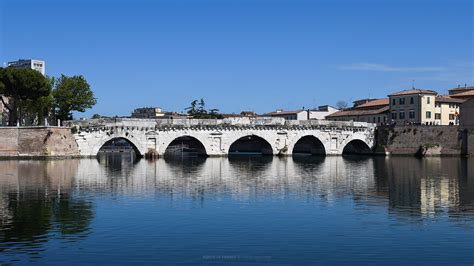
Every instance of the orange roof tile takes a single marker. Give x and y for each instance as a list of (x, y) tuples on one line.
[(374, 103)]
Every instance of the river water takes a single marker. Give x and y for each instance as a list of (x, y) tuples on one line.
[(286, 211)]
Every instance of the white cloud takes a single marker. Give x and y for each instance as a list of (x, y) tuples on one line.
[(386, 68)]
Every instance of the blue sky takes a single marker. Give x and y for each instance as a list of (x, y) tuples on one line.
[(243, 55)]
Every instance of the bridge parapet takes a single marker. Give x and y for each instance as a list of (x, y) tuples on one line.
[(166, 124)]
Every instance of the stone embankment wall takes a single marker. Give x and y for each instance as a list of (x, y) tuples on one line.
[(37, 142), (424, 140)]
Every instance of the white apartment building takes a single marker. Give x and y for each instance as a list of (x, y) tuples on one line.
[(37, 65)]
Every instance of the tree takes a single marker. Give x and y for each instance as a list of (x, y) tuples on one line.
[(72, 94), (341, 105), (201, 112), (202, 108), (25, 87), (192, 109)]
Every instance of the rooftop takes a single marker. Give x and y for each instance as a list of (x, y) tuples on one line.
[(448, 99), (285, 112), (374, 103), (465, 94), (357, 112), (413, 91)]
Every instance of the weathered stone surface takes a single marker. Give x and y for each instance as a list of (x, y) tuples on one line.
[(37, 141), (218, 135), (419, 140)]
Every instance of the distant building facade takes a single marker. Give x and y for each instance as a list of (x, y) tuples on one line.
[(322, 112), (304, 114), (365, 110), (289, 115), (424, 107), (155, 113), (37, 65), (414, 106), (148, 113)]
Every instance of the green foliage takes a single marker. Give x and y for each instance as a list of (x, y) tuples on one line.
[(27, 89), (72, 94), (197, 110)]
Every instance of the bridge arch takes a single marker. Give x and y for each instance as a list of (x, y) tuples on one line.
[(185, 145), (308, 145), (250, 144), (101, 145), (356, 147)]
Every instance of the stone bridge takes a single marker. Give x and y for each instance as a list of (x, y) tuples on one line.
[(268, 136)]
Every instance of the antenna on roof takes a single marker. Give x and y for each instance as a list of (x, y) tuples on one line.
[(413, 84)]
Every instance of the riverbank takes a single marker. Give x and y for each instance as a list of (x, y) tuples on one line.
[(37, 142), (422, 141)]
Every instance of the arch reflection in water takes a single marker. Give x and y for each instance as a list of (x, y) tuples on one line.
[(44, 202)]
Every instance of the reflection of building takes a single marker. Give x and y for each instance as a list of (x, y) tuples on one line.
[(365, 110), (29, 63)]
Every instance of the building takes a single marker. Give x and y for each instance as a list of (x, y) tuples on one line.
[(148, 112), (466, 118), (415, 106), (322, 112), (365, 110), (289, 115), (423, 107), (304, 114), (447, 110), (155, 113), (463, 93), (37, 65)]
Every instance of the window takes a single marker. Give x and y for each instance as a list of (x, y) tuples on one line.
[(394, 115), (402, 115), (428, 100), (437, 105), (401, 101), (412, 100), (451, 116), (411, 114), (438, 116), (373, 120), (378, 119), (394, 101), (428, 114)]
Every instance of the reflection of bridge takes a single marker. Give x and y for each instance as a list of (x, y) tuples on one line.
[(221, 137)]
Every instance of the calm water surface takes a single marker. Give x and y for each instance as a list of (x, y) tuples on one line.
[(334, 210)]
